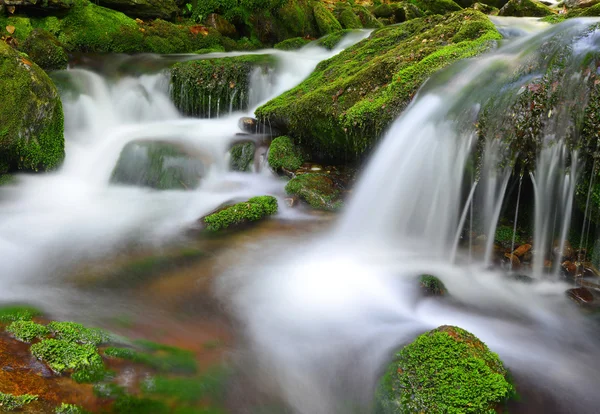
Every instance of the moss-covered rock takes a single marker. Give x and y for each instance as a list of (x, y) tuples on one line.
[(340, 111), (332, 40), (62, 355), (31, 117), (27, 331), (242, 156), (292, 44), (284, 155), (446, 370), (432, 286), (326, 21), (238, 214), (436, 6), (366, 18), (221, 24), (486, 9), (318, 190), (525, 8), (208, 87), (144, 9), (39, 6), (45, 50), (346, 16), (158, 165), (65, 408), (10, 402)]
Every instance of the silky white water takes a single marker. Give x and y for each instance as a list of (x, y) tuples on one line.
[(323, 319)]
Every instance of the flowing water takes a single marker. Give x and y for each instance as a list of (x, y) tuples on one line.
[(320, 318)]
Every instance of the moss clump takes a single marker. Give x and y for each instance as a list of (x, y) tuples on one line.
[(209, 87), (27, 331), (366, 18), (292, 44), (504, 234), (242, 213), (553, 19), (13, 313), (9, 402), (188, 390), (31, 117), (326, 21), (61, 355), (283, 154), (431, 285), (45, 50), (486, 9), (76, 332), (436, 6), (65, 408), (340, 111), (316, 189), (242, 156), (525, 8), (446, 370), (161, 357), (346, 16), (332, 40)]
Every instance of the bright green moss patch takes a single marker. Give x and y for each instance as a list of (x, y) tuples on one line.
[(332, 40), (292, 44), (209, 87), (65, 408), (326, 21), (27, 331), (504, 234), (553, 19), (161, 357), (446, 370), (283, 154), (316, 189), (525, 8), (61, 355), (345, 105), (130, 404), (9, 402), (76, 332), (254, 209), (13, 313)]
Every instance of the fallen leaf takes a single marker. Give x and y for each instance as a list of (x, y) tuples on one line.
[(26, 61), (10, 29), (11, 9)]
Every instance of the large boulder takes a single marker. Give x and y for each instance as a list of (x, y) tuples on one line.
[(209, 87), (325, 19), (341, 110), (31, 117), (525, 8), (446, 370), (158, 165), (144, 9)]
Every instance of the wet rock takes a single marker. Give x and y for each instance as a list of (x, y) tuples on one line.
[(159, 165), (242, 156), (432, 286), (484, 8), (292, 201), (221, 24), (513, 260), (248, 125), (522, 250), (569, 268), (567, 251), (317, 190), (580, 4), (581, 296)]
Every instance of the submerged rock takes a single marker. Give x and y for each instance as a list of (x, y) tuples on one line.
[(31, 117), (525, 8), (159, 165), (242, 156), (355, 95), (582, 296), (445, 370)]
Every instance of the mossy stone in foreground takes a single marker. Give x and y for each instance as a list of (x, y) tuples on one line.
[(254, 209), (283, 154), (446, 370), (316, 189), (61, 355), (31, 117), (340, 111)]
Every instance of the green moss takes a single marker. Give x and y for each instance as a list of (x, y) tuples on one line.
[(161, 357), (292, 44), (592, 11), (447, 370), (22, 25), (242, 156), (189, 390), (366, 18), (432, 285), (76, 332), (340, 111), (129, 404), (504, 234), (318, 190), (65, 408), (27, 331), (332, 40), (208, 87), (326, 21), (525, 8), (254, 209), (553, 19), (436, 6), (283, 154), (486, 9), (346, 16), (13, 313), (45, 50), (61, 355), (31, 117), (9, 402)]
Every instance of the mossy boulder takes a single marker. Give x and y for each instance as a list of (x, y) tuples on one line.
[(242, 156), (221, 24), (158, 165), (432, 286), (436, 6), (345, 105), (292, 44), (284, 155), (241, 214), (31, 117), (143, 9), (326, 21), (45, 50), (346, 16), (366, 18), (318, 190), (209, 87), (446, 370), (525, 8)]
